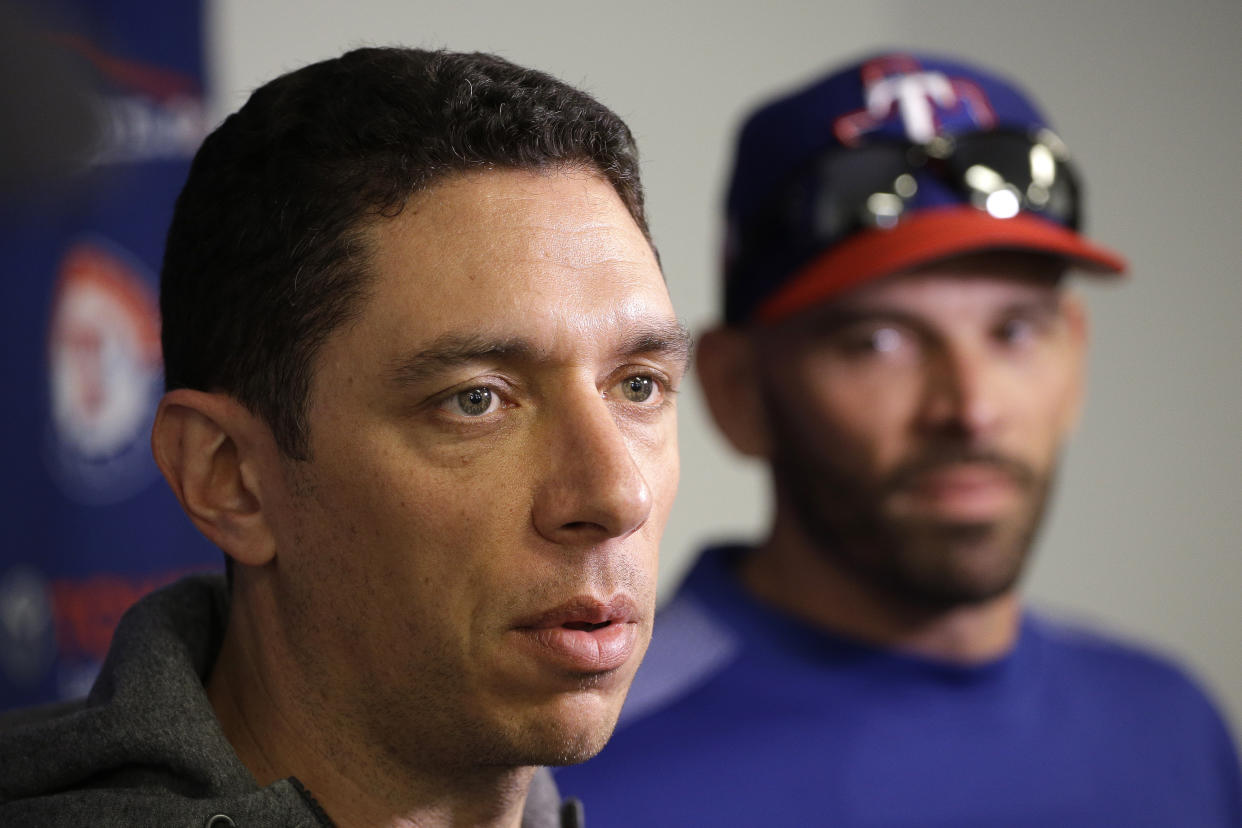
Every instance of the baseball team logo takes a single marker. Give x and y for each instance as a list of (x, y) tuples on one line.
[(104, 374), (147, 112), (900, 92)]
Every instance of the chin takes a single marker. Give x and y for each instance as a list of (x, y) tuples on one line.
[(553, 745), (948, 565), (574, 749), (568, 731), (583, 727)]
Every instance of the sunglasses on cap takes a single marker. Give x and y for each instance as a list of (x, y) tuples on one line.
[(845, 190)]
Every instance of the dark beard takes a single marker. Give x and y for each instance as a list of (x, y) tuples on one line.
[(932, 564)]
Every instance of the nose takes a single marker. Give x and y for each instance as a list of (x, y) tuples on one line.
[(963, 393), (592, 489)]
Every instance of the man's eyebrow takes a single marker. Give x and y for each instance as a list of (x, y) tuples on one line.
[(669, 340), (832, 319), (453, 350), (1050, 302)]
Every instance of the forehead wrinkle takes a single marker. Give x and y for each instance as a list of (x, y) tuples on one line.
[(519, 218), (632, 328)]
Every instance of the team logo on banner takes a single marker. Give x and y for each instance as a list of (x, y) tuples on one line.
[(105, 374), (147, 112)]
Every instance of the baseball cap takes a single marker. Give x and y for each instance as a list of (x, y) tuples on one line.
[(897, 161)]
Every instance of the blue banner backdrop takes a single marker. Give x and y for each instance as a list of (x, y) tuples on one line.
[(106, 98)]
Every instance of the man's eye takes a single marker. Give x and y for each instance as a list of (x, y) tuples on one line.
[(638, 388), (475, 402), (885, 340), (873, 340), (1016, 330)]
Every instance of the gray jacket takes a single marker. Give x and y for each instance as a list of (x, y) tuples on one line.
[(145, 748)]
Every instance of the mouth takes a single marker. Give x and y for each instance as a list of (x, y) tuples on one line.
[(965, 491), (586, 626), (585, 635)]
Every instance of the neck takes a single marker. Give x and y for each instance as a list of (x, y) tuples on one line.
[(790, 573), (279, 729)]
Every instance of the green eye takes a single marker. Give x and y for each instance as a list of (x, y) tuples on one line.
[(475, 402), (637, 389)]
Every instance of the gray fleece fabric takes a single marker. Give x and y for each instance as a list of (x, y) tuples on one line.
[(145, 748)]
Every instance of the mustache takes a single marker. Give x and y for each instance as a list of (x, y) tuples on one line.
[(938, 458), (599, 576)]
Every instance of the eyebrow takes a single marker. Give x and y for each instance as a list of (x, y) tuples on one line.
[(669, 340), (666, 339)]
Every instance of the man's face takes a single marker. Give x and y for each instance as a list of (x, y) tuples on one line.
[(469, 557), (916, 422)]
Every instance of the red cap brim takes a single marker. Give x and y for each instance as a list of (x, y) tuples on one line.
[(927, 237)]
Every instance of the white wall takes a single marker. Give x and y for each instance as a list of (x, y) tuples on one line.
[(1146, 536), (1147, 533)]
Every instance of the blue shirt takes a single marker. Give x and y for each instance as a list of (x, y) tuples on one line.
[(741, 715)]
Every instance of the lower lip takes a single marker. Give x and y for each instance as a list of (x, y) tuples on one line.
[(966, 496), (583, 651)]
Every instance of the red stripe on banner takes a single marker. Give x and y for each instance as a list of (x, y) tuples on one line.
[(154, 81)]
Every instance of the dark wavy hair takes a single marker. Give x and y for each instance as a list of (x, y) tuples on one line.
[(266, 254)]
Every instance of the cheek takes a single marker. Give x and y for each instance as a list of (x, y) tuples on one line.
[(860, 420), (1049, 403), (661, 466), (419, 526)]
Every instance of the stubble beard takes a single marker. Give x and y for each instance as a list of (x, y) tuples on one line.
[(440, 736), (923, 562), (550, 743)]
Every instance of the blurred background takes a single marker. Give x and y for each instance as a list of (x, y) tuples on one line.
[(1145, 536)]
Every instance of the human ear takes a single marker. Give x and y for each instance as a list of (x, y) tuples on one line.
[(207, 446), (728, 373)]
